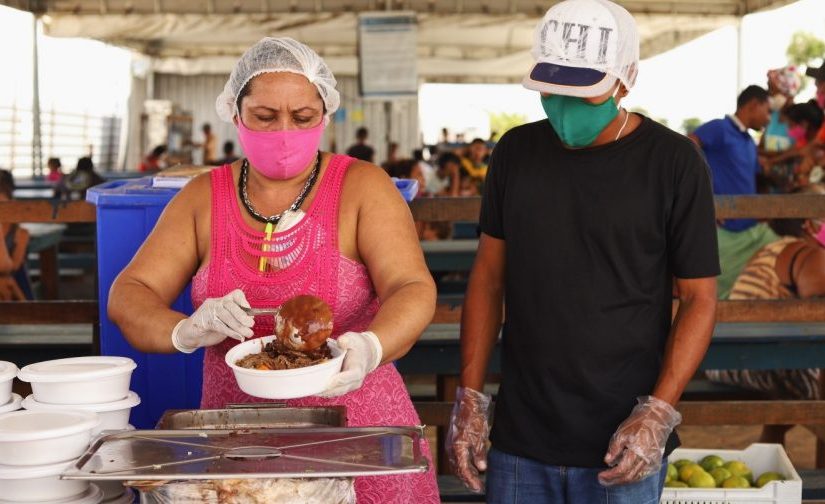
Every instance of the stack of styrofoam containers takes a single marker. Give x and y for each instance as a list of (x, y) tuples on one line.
[(96, 385), (760, 458), (8, 400), (36, 447)]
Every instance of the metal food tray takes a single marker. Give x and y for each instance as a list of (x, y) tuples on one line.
[(331, 452), (265, 416)]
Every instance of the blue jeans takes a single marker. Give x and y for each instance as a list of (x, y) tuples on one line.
[(517, 480)]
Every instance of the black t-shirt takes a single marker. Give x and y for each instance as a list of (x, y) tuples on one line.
[(361, 151), (593, 238)]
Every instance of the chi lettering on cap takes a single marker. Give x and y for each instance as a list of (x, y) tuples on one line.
[(581, 47)]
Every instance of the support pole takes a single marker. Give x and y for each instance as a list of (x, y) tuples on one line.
[(37, 145)]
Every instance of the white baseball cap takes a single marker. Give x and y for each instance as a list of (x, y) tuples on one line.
[(581, 47)]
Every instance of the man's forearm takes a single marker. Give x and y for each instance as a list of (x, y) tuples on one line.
[(480, 325), (686, 346)]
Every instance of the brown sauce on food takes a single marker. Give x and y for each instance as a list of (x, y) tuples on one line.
[(276, 356)]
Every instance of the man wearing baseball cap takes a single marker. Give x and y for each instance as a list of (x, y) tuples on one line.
[(586, 220)]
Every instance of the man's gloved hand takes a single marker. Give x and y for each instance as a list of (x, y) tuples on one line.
[(637, 447), (467, 436), (215, 320), (364, 354)]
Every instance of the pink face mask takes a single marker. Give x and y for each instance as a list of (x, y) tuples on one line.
[(280, 155)]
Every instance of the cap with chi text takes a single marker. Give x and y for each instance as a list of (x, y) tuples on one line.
[(581, 47)]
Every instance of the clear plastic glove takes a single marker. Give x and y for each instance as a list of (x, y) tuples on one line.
[(215, 320), (467, 436), (364, 354), (637, 447)]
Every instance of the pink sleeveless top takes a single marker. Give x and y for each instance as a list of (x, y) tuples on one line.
[(306, 260)]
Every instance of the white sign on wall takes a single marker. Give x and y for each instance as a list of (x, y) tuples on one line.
[(387, 54)]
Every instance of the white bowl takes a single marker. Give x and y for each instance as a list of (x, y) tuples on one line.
[(13, 405), (30, 438), (287, 383), (113, 415), (39, 483), (8, 372), (80, 380)]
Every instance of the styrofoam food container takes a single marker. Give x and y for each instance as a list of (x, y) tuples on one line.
[(13, 405), (40, 483), (287, 383), (8, 371), (80, 380), (30, 438), (760, 458), (113, 415), (111, 489)]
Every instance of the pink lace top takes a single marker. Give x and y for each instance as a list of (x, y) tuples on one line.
[(304, 260)]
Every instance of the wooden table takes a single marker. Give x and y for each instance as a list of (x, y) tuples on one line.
[(44, 240)]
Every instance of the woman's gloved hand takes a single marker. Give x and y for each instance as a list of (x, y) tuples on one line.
[(364, 354), (637, 447), (214, 321), (467, 436)]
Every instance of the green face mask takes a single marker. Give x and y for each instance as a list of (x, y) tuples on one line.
[(577, 121)]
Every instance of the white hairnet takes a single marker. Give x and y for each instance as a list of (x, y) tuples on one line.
[(278, 55)]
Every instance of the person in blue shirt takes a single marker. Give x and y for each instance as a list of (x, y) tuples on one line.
[(733, 158)]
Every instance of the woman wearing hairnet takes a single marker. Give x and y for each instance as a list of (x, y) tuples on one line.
[(288, 220)]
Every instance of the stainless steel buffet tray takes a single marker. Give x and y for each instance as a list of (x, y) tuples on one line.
[(329, 452), (248, 416)]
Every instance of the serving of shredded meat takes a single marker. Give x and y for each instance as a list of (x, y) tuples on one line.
[(276, 356)]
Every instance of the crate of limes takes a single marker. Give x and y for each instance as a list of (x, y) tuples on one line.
[(760, 474)]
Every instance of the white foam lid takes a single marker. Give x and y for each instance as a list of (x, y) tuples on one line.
[(12, 405), (8, 370), (35, 471), (131, 400), (36, 425), (77, 369)]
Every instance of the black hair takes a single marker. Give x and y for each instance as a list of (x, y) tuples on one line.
[(158, 151), (418, 154), (478, 140), (228, 147), (85, 164), (806, 112), (6, 183), (793, 227), (362, 132), (54, 161), (402, 168), (448, 157), (750, 93), (207, 127)]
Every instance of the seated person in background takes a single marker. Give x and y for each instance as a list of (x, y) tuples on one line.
[(229, 155), (407, 169), (732, 157), (81, 179), (154, 161), (793, 267), (474, 164), (55, 175), (804, 121), (446, 181), (13, 244)]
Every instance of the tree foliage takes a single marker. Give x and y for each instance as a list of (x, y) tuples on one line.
[(501, 122)]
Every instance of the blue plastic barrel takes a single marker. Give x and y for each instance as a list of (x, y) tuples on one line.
[(127, 211)]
